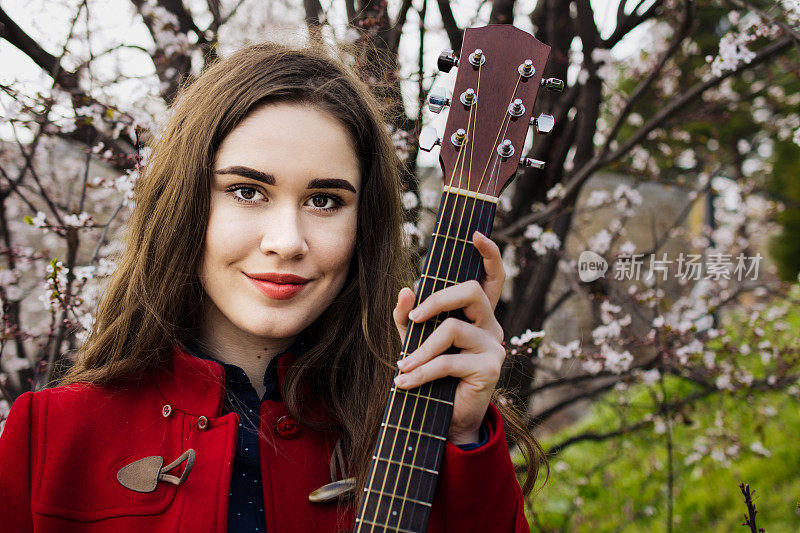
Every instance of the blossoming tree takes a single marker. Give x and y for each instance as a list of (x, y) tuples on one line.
[(706, 104)]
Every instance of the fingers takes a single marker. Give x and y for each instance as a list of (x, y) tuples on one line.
[(405, 302), (494, 273), (468, 296), (451, 332), (480, 371)]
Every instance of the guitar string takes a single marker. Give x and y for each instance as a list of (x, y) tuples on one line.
[(494, 173), (409, 336), (435, 321), (427, 387)]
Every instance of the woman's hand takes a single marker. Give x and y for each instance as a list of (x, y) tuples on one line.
[(482, 353)]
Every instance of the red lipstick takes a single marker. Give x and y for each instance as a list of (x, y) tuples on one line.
[(278, 286)]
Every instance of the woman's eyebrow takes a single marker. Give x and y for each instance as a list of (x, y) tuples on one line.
[(248, 172), (331, 183)]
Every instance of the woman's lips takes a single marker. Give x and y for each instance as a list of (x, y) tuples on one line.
[(278, 291)]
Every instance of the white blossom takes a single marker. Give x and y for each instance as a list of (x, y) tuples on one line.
[(526, 337), (411, 232), (732, 49), (85, 272), (565, 351), (510, 264), (410, 200), (557, 191), (546, 241), (598, 198), (15, 364), (651, 376), (592, 366), (615, 361), (629, 195), (533, 232), (627, 248), (759, 449), (600, 242), (429, 198), (77, 221), (40, 220)]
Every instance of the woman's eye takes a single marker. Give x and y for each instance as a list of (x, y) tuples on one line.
[(325, 201), (244, 194)]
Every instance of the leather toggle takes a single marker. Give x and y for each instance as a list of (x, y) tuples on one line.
[(144, 474), (338, 488), (333, 491)]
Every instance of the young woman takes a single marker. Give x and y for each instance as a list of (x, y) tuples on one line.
[(244, 350)]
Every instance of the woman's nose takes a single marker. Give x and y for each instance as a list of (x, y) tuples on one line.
[(283, 234)]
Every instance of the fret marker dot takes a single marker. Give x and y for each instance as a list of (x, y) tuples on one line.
[(394, 513), (410, 448)]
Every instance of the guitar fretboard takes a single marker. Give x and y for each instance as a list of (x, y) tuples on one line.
[(408, 454)]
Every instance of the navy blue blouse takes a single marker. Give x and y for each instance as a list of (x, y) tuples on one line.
[(246, 496)]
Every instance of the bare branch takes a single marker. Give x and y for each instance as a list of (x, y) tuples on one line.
[(625, 23), (594, 436), (454, 33), (397, 27), (674, 46), (502, 12), (11, 32), (313, 11), (538, 418)]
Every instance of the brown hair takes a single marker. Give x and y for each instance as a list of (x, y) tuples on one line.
[(154, 299)]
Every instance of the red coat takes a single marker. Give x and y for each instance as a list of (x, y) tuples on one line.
[(62, 448)]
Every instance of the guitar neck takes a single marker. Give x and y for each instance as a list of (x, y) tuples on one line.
[(499, 74), (408, 454)]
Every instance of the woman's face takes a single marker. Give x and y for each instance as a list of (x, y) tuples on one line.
[(282, 226)]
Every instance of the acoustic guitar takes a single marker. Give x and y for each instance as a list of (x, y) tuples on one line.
[(499, 75)]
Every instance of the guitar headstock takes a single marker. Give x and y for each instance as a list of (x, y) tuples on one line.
[(499, 77)]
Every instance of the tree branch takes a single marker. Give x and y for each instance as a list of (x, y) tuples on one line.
[(572, 187), (594, 436), (397, 27), (313, 10), (454, 33), (11, 32), (675, 44), (563, 404), (502, 12), (625, 23)]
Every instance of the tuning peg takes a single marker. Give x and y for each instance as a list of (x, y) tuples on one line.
[(553, 84), (447, 60), (544, 123), (532, 163), (428, 138), (438, 99)]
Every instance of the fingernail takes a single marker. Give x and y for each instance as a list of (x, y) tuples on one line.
[(402, 363), (414, 314), (400, 380)]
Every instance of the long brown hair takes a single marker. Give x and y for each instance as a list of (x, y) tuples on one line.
[(154, 298)]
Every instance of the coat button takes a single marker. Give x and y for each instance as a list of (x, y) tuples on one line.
[(166, 410), (202, 422), (287, 427)]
